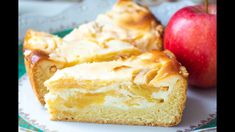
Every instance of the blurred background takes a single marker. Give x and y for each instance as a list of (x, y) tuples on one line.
[(51, 7), (58, 15)]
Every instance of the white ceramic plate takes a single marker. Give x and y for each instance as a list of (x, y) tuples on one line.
[(200, 109)]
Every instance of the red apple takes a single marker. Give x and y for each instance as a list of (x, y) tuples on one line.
[(191, 36)]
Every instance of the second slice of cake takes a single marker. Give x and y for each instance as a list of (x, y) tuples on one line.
[(127, 29), (149, 89)]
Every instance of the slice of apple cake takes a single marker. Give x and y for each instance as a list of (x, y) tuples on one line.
[(148, 89)]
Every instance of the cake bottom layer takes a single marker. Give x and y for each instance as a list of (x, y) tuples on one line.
[(168, 113)]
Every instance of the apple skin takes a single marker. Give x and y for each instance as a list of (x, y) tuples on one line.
[(191, 36)]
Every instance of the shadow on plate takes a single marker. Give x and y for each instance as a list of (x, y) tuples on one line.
[(194, 108)]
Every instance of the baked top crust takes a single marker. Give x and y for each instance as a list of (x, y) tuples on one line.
[(127, 28)]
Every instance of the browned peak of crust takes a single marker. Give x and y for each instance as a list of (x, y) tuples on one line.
[(39, 45), (45, 42), (120, 2), (169, 58), (134, 16), (32, 34)]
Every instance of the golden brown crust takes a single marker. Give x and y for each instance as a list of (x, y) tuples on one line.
[(33, 65), (122, 123), (132, 16), (35, 59), (30, 73), (41, 41), (141, 16)]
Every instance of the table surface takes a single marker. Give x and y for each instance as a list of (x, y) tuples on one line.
[(46, 8)]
